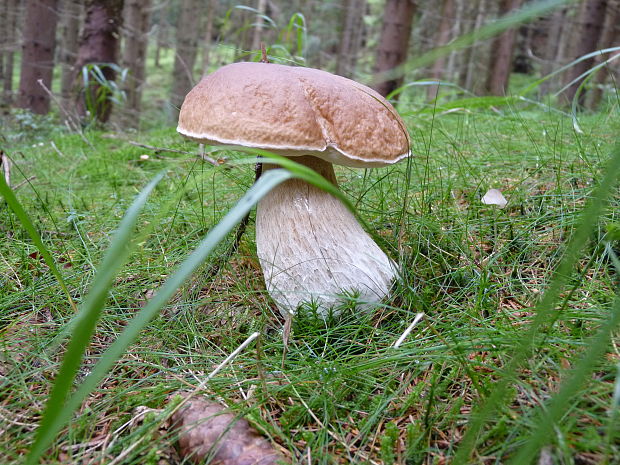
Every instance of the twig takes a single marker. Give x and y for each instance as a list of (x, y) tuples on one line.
[(211, 375), (258, 169), (71, 121), (25, 181), (166, 149), (158, 149), (264, 58), (5, 161), (400, 340), (199, 388), (205, 157)]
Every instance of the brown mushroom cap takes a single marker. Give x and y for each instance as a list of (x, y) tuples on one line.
[(294, 111)]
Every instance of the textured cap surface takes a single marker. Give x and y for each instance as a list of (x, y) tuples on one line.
[(294, 111)]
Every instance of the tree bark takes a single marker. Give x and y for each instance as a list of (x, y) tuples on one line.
[(39, 43), (136, 14), (208, 37), (261, 7), (350, 36), (552, 49), (4, 40), (394, 42), (472, 54), (185, 58), (99, 44), (590, 24), (161, 36), (444, 35), (609, 37), (12, 13), (501, 54), (71, 12)]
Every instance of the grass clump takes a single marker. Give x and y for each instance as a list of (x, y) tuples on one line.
[(339, 391)]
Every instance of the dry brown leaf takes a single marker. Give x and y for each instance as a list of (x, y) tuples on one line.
[(207, 430)]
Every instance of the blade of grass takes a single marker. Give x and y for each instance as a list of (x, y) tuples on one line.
[(58, 412), (545, 309), (312, 177), (86, 322), (15, 205), (519, 16), (557, 406)]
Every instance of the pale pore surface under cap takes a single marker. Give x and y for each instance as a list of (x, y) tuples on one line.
[(294, 111)]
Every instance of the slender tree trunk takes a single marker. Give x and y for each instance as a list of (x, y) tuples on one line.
[(394, 42), (350, 36), (71, 12), (591, 20), (552, 48), (501, 54), (39, 43), (208, 37), (136, 15), (185, 58), (609, 38), (161, 39), (12, 15), (4, 40), (471, 58), (99, 44), (454, 57), (444, 35), (261, 7)]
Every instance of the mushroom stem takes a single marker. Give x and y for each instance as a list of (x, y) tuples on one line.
[(312, 249)]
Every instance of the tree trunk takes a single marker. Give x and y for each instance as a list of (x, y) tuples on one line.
[(457, 29), (185, 58), (161, 36), (501, 54), (99, 45), (208, 37), (39, 43), (444, 35), (350, 36), (473, 52), (590, 24), (71, 11), (609, 37), (261, 7), (12, 17), (4, 40), (552, 49), (394, 42), (136, 15)]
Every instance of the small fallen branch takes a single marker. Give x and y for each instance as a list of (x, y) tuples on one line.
[(166, 149), (72, 121)]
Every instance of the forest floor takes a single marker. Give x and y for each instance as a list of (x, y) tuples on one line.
[(339, 392)]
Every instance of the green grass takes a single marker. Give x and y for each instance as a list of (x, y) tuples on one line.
[(341, 391)]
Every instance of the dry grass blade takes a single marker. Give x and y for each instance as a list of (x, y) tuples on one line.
[(206, 431)]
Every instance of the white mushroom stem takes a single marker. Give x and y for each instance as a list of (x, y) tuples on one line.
[(312, 249)]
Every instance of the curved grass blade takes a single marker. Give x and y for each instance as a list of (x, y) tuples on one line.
[(59, 412), (86, 322), (559, 403), (311, 177), (15, 205), (545, 310), (528, 13), (299, 171)]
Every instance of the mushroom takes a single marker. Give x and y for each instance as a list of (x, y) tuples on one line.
[(310, 247)]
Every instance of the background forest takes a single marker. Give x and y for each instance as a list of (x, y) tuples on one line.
[(504, 222)]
